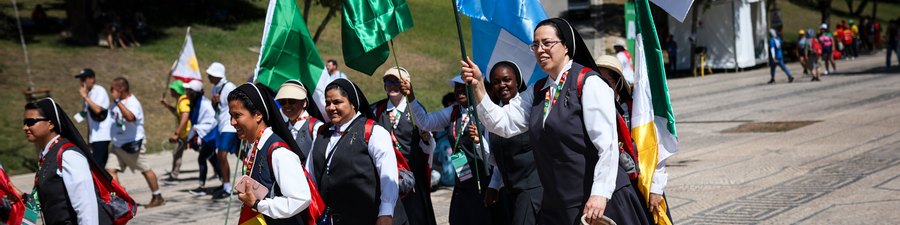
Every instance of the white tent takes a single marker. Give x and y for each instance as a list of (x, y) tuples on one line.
[(734, 33)]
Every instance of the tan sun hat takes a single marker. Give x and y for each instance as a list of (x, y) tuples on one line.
[(609, 62), (398, 72), (291, 89)]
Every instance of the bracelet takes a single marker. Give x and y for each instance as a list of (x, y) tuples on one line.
[(255, 205)]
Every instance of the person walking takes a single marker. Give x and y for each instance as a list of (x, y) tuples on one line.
[(273, 161), (893, 41), (353, 161), (96, 109), (128, 138), (802, 48), (775, 57), (416, 145), (181, 110), (204, 133), (566, 126), (827, 48), (294, 100), (227, 141), (63, 190)]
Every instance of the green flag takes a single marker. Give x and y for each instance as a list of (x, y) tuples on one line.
[(367, 26), (288, 52)]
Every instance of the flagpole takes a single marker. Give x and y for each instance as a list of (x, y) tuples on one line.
[(471, 108)]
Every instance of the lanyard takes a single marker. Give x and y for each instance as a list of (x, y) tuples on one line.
[(547, 101), (465, 121), (248, 161)]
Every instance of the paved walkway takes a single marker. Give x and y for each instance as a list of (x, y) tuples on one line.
[(844, 168)]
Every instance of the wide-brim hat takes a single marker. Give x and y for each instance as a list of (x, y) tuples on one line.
[(609, 62), (177, 86), (216, 69), (291, 89)]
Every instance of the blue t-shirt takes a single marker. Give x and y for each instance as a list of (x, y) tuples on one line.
[(775, 44)]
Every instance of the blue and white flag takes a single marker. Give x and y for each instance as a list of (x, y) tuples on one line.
[(502, 30)]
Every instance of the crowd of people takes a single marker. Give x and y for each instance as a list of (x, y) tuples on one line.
[(546, 153)]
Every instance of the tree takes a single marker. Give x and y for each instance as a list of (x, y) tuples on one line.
[(333, 6), (856, 13), (79, 14), (825, 9)]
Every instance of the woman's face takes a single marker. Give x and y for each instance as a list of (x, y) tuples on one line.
[(550, 52), (460, 91), (392, 86), (244, 122), (338, 107), (504, 83), (41, 128), (292, 108)]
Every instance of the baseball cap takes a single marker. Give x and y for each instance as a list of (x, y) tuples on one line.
[(216, 69), (291, 89), (86, 72), (177, 86), (194, 85), (398, 72), (824, 26)]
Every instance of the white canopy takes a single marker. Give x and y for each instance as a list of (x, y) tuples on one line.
[(734, 33)]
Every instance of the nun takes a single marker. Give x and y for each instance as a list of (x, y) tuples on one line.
[(355, 169), (467, 203), (273, 161), (393, 114), (574, 132), (67, 193)]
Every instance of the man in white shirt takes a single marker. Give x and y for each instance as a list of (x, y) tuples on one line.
[(625, 59), (96, 109), (333, 72), (128, 138), (228, 140)]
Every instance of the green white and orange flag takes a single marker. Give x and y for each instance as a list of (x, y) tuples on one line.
[(187, 68), (652, 118), (288, 52)]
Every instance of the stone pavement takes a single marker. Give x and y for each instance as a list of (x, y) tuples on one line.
[(843, 168)]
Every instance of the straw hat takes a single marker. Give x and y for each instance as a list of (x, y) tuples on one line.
[(609, 62)]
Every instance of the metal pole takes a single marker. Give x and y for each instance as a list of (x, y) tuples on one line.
[(24, 47)]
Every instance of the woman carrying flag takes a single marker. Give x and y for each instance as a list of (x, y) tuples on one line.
[(273, 161), (572, 123)]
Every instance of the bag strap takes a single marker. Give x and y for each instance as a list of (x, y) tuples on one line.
[(581, 79), (370, 124), (59, 153), (380, 108), (311, 123)]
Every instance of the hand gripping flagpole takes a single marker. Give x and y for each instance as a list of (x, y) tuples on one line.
[(473, 113)]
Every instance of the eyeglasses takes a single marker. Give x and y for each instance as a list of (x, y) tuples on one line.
[(288, 101), (544, 45), (31, 121), (391, 83)]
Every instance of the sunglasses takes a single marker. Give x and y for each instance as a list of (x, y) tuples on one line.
[(288, 101), (31, 121), (391, 83)]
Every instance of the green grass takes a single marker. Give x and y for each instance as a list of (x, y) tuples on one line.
[(430, 51)]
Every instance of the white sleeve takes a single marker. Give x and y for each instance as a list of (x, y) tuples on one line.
[(100, 98), (382, 152), (600, 122), (430, 121), (496, 179), (660, 178), (76, 175), (292, 183), (509, 120), (137, 109), (428, 148)]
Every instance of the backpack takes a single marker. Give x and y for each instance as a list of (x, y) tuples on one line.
[(407, 180), (113, 199), (316, 209), (816, 46), (628, 157)]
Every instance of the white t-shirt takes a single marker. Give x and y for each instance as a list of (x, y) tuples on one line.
[(223, 88), (206, 119), (124, 131), (337, 75), (100, 130), (627, 70)]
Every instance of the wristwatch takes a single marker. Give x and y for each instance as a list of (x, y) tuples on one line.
[(255, 204)]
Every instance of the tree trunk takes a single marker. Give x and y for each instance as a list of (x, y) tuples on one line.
[(321, 28), (874, 6), (78, 18), (849, 6), (306, 4), (859, 9), (825, 9)]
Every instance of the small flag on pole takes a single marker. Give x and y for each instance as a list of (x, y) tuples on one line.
[(366, 28), (187, 68)]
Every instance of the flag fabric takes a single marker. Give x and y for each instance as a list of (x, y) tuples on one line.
[(677, 8), (502, 30), (366, 28), (187, 68), (288, 52), (652, 118)]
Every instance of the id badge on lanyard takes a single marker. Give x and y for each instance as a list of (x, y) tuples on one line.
[(32, 209), (461, 164)]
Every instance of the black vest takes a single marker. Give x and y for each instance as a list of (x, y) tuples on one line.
[(408, 137), (262, 172), (515, 159), (466, 145), (54, 199), (304, 139), (566, 156), (351, 186)]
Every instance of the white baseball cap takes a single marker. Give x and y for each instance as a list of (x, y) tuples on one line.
[(194, 85), (216, 69)]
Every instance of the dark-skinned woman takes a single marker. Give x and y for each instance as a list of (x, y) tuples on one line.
[(467, 204), (574, 133), (357, 178), (66, 193), (392, 113), (273, 161), (515, 170)]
